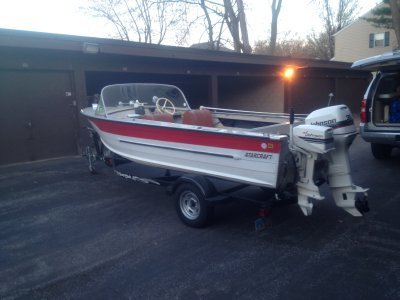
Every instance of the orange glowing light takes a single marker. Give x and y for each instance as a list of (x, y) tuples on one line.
[(288, 73)]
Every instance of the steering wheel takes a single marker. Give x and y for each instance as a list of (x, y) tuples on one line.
[(165, 105)]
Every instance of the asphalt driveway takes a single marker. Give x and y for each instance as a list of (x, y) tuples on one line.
[(67, 234)]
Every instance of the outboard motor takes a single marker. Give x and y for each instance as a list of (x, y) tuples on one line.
[(324, 140)]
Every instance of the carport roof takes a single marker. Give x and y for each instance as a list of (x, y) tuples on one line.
[(51, 41)]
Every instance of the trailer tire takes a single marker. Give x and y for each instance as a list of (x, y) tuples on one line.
[(191, 206), (90, 154)]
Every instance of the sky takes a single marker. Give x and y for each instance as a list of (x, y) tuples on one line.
[(297, 18)]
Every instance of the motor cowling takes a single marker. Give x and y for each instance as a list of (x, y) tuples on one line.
[(313, 138), (337, 117)]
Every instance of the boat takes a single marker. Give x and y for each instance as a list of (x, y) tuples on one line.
[(154, 125)]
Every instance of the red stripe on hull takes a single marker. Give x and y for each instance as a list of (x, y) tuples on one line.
[(187, 136)]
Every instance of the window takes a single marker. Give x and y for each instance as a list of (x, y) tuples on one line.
[(379, 39)]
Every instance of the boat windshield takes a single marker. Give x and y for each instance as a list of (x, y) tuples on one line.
[(119, 97)]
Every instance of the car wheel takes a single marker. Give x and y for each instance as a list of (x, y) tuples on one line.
[(191, 206), (381, 151)]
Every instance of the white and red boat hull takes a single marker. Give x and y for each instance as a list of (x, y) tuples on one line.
[(248, 158)]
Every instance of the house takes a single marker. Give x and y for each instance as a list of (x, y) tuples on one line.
[(45, 79), (361, 39)]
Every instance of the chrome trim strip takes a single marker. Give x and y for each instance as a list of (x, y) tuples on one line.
[(180, 149)]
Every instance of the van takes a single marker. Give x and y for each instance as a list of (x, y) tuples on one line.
[(380, 108)]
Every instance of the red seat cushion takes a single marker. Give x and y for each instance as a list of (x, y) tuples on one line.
[(163, 117), (198, 117)]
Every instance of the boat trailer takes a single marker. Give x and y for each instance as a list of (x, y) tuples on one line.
[(195, 195)]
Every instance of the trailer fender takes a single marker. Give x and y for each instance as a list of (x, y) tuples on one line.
[(205, 185)]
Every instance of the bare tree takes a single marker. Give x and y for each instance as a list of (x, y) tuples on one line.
[(214, 21), (335, 18), (220, 15), (275, 9), (293, 47), (313, 47), (146, 21), (210, 26), (235, 19), (318, 45), (243, 27), (151, 21)]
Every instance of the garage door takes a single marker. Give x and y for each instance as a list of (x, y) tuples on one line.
[(37, 116)]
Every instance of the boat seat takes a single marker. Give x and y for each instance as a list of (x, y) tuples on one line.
[(162, 117), (198, 117)]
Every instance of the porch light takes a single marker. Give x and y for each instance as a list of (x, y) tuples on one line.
[(288, 73)]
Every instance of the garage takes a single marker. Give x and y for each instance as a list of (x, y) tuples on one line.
[(45, 79), (38, 118)]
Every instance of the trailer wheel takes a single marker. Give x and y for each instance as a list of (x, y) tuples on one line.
[(91, 159), (191, 206)]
